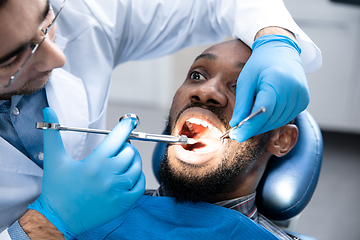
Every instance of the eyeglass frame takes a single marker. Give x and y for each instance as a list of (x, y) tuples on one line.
[(33, 48)]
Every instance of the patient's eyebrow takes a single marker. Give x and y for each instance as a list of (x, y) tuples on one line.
[(211, 56), (206, 56)]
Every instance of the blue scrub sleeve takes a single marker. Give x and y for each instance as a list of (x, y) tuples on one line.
[(16, 232)]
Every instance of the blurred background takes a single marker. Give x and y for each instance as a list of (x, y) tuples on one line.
[(146, 88)]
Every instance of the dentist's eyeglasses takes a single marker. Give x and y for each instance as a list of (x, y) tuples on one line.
[(31, 49)]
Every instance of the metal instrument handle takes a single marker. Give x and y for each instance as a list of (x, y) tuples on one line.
[(142, 136)]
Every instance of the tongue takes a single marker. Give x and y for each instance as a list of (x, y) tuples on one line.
[(207, 141), (204, 145)]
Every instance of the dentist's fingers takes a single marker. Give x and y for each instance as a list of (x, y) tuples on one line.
[(245, 95), (125, 158), (128, 198), (253, 126), (126, 180), (114, 142), (53, 145)]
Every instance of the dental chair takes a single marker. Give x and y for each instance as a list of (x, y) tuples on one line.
[(288, 182)]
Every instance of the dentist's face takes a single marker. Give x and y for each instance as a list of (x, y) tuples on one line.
[(20, 21), (201, 109)]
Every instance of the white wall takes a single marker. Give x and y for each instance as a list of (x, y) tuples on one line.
[(335, 87)]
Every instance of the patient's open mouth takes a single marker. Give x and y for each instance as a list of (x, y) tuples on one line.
[(203, 126), (206, 135)]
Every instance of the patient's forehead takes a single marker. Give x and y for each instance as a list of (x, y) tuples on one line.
[(231, 50)]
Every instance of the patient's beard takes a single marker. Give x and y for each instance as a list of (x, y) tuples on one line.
[(186, 188)]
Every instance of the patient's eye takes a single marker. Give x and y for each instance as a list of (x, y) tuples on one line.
[(197, 76)]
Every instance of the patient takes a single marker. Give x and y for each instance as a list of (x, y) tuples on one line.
[(212, 170), (224, 173)]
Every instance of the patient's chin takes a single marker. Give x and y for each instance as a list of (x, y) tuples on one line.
[(191, 183), (187, 182)]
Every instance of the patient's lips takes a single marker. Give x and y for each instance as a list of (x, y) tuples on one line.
[(203, 126)]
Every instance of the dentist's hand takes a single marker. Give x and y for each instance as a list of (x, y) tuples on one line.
[(273, 77), (78, 196)]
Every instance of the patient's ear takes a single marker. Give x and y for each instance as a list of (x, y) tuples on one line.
[(283, 140)]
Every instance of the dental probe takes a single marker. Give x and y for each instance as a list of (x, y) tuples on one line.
[(254, 114), (142, 136)]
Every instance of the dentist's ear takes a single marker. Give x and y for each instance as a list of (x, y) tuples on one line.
[(283, 140)]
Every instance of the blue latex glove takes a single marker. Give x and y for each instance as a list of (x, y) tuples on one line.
[(81, 195), (273, 77)]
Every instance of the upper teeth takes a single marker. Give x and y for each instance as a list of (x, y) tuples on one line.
[(205, 124)]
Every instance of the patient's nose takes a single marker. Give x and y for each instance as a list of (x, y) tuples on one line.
[(210, 92)]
